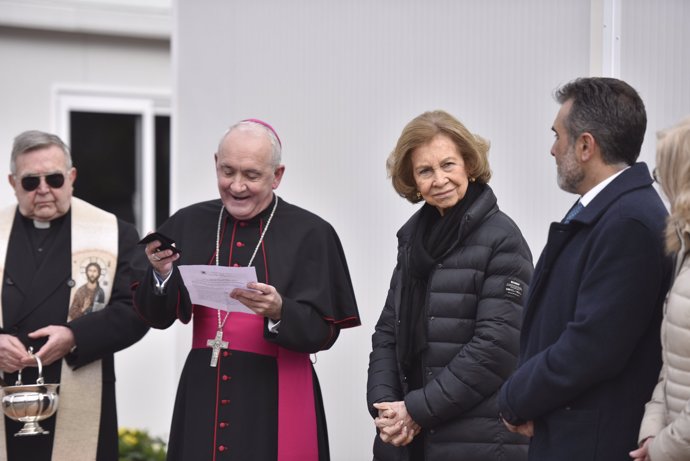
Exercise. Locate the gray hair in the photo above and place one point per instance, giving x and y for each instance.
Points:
(256, 127)
(32, 140)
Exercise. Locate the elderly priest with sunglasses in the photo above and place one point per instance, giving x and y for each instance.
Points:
(64, 299)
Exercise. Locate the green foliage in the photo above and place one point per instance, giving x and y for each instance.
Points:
(138, 445)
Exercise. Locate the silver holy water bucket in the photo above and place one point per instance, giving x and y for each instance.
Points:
(30, 403)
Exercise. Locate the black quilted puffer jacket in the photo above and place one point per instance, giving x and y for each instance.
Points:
(473, 316)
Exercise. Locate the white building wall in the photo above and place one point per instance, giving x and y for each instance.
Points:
(655, 59)
(32, 62)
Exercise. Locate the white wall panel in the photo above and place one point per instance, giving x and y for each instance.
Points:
(655, 59)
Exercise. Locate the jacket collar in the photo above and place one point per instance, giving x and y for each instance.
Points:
(484, 206)
(635, 177)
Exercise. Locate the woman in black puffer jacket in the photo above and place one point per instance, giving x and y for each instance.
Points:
(448, 336)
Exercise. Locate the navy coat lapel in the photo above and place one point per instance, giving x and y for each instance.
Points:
(559, 235)
(635, 177)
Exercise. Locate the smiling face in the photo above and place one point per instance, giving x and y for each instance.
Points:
(45, 203)
(439, 173)
(246, 175)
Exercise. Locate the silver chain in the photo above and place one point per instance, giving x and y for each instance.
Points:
(221, 324)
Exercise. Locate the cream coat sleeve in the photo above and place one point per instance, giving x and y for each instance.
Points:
(673, 442)
(655, 415)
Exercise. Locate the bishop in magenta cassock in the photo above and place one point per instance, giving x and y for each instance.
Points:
(248, 389)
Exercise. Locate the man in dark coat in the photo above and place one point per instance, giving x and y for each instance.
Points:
(248, 390)
(590, 350)
(47, 243)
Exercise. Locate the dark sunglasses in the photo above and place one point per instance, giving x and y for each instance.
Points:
(31, 183)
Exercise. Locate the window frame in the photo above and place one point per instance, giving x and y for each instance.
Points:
(146, 104)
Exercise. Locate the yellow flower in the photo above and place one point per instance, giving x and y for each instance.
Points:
(130, 439)
(135, 444)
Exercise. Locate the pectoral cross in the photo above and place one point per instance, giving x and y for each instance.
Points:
(217, 344)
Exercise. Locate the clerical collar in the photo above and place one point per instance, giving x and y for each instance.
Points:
(31, 224)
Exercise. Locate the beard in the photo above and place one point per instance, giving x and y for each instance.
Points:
(570, 174)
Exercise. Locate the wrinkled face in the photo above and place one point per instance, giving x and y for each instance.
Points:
(44, 203)
(246, 176)
(439, 173)
(570, 172)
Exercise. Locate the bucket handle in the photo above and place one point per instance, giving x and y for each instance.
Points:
(39, 380)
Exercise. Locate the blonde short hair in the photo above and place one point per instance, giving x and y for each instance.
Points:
(673, 170)
(422, 129)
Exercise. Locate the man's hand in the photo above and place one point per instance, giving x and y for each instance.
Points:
(13, 354)
(263, 299)
(395, 425)
(161, 261)
(60, 341)
(526, 429)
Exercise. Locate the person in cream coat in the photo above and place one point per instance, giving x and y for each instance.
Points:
(665, 429)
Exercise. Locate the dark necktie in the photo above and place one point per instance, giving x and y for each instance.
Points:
(573, 212)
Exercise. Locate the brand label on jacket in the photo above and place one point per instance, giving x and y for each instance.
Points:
(514, 290)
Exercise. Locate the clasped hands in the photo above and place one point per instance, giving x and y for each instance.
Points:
(14, 356)
(395, 424)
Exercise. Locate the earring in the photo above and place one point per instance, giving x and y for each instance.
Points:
(419, 195)
(471, 179)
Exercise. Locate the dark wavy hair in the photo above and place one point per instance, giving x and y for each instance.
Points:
(611, 111)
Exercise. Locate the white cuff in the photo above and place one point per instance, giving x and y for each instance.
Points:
(160, 282)
(273, 326)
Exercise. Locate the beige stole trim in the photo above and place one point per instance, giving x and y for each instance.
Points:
(94, 239)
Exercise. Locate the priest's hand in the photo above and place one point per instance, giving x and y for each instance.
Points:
(12, 354)
(395, 424)
(60, 342)
(161, 261)
(263, 299)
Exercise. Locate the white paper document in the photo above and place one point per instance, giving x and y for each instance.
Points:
(210, 286)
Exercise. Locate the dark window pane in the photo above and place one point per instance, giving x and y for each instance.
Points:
(162, 169)
(104, 150)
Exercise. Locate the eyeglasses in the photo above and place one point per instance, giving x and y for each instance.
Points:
(54, 180)
(655, 175)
